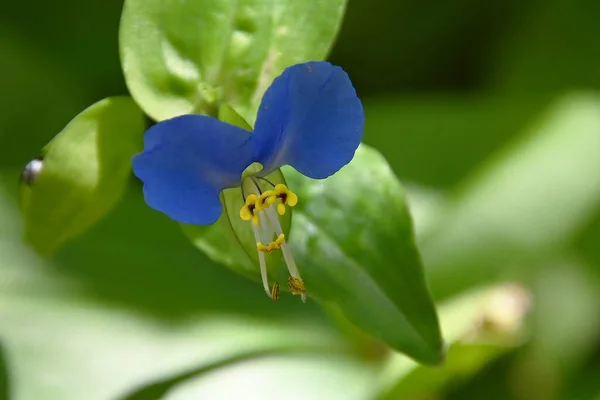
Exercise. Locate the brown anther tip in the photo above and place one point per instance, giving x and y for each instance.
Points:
(296, 286)
(275, 292)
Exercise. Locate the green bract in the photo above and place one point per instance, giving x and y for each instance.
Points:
(231, 240)
(187, 56)
(86, 168)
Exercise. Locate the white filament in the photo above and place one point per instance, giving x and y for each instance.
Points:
(262, 262)
(287, 254)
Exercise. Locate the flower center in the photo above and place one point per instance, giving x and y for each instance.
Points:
(267, 230)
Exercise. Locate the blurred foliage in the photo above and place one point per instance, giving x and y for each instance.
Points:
(465, 99)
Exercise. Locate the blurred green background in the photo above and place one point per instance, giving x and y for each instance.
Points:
(488, 112)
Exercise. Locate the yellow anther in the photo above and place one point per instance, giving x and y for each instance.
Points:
(276, 245)
(249, 210)
(275, 291)
(267, 198)
(280, 208)
(287, 197)
(296, 285)
(261, 247)
(279, 240)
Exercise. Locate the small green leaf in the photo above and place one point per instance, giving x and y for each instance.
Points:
(85, 170)
(353, 239)
(186, 56)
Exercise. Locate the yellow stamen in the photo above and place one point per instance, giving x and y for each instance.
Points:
(267, 198)
(296, 285)
(249, 210)
(281, 208)
(288, 198)
(264, 229)
(276, 245)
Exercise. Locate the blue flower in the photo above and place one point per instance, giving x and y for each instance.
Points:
(310, 118)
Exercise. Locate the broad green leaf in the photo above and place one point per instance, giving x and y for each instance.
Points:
(85, 170)
(187, 56)
(353, 239)
(524, 205)
(480, 326)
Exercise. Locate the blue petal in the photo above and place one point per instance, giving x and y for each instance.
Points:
(310, 118)
(187, 161)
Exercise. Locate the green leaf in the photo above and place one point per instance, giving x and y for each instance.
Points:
(524, 205)
(187, 56)
(353, 239)
(85, 171)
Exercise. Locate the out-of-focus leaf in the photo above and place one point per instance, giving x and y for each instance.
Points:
(182, 57)
(424, 204)
(293, 378)
(565, 330)
(158, 389)
(557, 33)
(85, 170)
(353, 240)
(524, 205)
(216, 240)
(4, 375)
(480, 326)
(63, 345)
(571, 291)
(81, 352)
(31, 88)
(436, 140)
